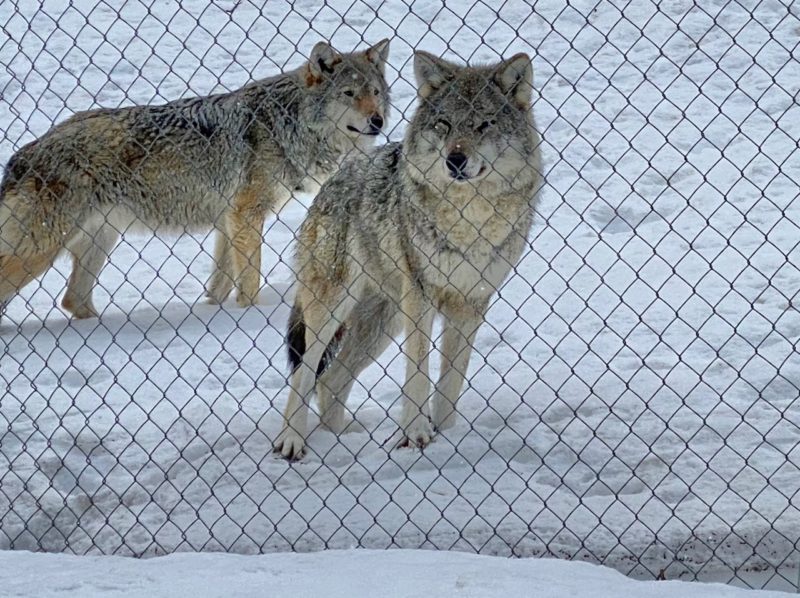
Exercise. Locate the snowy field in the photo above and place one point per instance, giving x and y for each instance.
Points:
(633, 399)
(334, 574)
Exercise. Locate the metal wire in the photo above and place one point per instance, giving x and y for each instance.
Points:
(633, 396)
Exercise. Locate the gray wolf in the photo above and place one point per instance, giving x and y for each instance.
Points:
(432, 225)
(221, 161)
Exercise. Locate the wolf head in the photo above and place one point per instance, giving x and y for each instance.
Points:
(350, 90)
(473, 125)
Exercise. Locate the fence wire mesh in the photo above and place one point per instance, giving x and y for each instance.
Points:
(632, 397)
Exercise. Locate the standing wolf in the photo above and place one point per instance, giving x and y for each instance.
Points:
(434, 224)
(221, 161)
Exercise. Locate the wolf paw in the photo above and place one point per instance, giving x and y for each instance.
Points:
(79, 310)
(337, 420)
(216, 296)
(290, 445)
(246, 300)
(219, 287)
(418, 435)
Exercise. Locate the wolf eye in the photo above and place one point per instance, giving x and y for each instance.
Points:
(442, 126)
(481, 128)
(349, 93)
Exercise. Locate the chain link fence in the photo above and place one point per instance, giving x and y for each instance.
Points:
(632, 399)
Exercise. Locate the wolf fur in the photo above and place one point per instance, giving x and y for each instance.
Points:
(222, 161)
(429, 226)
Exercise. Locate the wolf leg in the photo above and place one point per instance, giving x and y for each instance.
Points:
(418, 315)
(245, 230)
(90, 249)
(369, 331)
(461, 327)
(314, 326)
(221, 282)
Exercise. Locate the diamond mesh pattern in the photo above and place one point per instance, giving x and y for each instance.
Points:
(633, 398)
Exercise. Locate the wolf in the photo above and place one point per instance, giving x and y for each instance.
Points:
(219, 162)
(429, 226)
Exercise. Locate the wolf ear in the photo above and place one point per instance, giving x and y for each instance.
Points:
(431, 72)
(515, 78)
(379, 53)
(322, 60)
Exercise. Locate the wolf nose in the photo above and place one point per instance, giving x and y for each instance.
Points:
(456, 164)
(375, 123)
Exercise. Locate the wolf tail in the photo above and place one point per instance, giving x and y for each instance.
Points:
(296, 337)
(23, 256)
(296, 342)
(16, 272)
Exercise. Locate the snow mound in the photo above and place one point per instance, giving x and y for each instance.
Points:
(333, 574)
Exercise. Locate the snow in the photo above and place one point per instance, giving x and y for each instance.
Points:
(334, 574)
(633, 399)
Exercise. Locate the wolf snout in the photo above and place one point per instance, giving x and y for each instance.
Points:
(457, 165)
(373, 127)
(375, 124)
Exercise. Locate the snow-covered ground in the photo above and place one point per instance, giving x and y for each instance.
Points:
(633, 399)
(334, 574)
